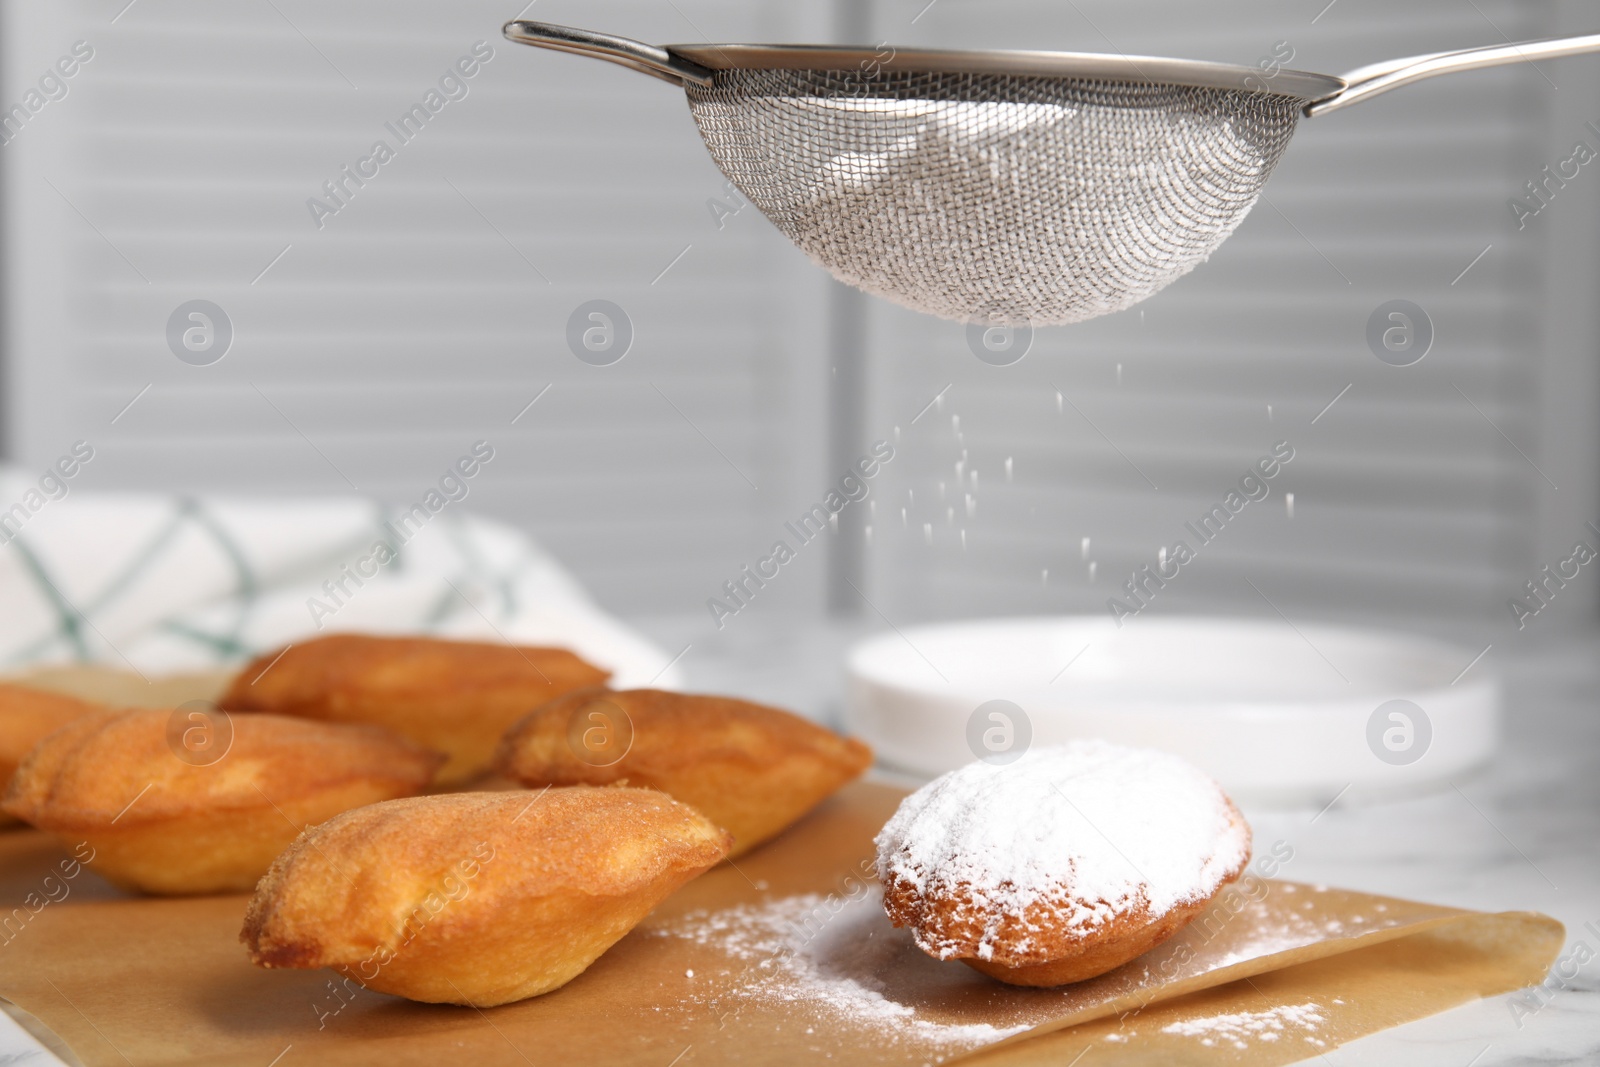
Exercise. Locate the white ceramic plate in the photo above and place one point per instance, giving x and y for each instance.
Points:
(1277, 714)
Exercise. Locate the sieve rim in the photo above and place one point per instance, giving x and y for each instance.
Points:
(1149, 70)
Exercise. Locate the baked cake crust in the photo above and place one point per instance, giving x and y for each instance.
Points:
(476, 898)
(164, 825)
(750, 768)
(457, 697)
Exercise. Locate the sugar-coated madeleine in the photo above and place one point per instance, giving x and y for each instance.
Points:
(751, 769)
(1060, 866)
(456, 697)
(476, 898)
(163, 815)
(27, 716)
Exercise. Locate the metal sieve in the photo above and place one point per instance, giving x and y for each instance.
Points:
(1005, 187)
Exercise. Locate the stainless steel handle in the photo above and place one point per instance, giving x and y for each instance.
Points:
(1379, 78)
(635, 55)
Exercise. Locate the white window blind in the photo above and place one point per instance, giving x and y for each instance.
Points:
(424, 304)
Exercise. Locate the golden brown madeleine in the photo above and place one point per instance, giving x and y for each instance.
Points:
(476, 898)
(27, 716)
(457, 697)
(163, 821)
(749, 768)
(1061, 865)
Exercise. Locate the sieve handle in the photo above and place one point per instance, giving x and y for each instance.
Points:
(635, 55)
(1379, 78)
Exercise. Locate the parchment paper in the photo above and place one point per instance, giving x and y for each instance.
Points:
(143, 981)
(785, 958)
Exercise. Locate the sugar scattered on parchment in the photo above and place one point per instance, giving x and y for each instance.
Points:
(1240, 1028)
(1262, 929)
(1089, 831)
(825, 955)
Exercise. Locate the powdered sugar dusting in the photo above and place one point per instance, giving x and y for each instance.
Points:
(827, 956)
(1088, 830)
(830, 972)
(1240, 1028)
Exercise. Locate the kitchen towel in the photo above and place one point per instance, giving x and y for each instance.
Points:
(157, 583)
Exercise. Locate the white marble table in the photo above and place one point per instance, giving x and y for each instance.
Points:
(1523, 835)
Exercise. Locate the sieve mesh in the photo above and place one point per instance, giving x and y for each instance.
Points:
(992, 197)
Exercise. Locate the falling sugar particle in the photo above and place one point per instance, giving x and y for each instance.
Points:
(938, 402)
(1059, 409)
(974, 479)
(955, 423)
(927, 532)
(950, 516)
(903, 517)
(1269, 412)
(941, 490)
(961, 470)
(1044, 577)
(872, 509)
(897, 435)
(1288, 504)
(972, 505)
(1119, 374)
(833, 521)
(911, 497)
(1161, 558)
(1084, 548)
(963, 540)
(1094, 568)
(1008, 468)
(868, 532)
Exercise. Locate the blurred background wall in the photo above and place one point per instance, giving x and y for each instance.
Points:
(428, 307)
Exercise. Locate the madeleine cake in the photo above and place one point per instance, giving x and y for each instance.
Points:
(27, 716)
(456, 697)
(476, 898)
(1061, 866)
(751, 769)
(166, 815)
